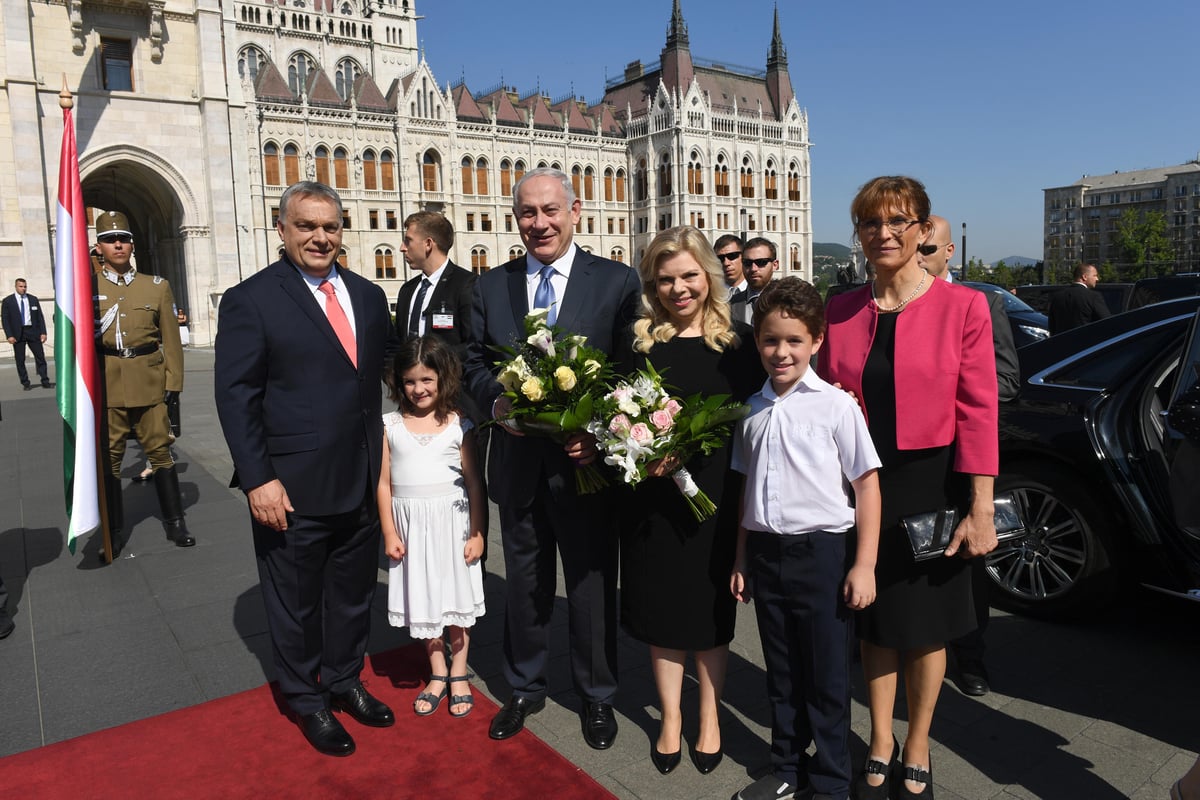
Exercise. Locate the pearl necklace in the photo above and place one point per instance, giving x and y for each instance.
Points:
(902, 303)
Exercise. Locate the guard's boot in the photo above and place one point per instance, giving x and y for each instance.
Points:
(116, 513)
(166, 483)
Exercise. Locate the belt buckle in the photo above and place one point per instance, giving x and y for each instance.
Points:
(127, 352)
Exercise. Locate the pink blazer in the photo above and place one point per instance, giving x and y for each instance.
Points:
(945, 369)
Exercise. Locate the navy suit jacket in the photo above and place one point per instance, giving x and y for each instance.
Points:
(291, 403)
(12, 317)
(601, 303)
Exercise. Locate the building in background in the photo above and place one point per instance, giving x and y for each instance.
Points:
(1080, 222)
(193, 117)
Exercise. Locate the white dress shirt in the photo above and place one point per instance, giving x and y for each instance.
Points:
(433, 279)
(798, 451)
(562, 271)
(339, 291)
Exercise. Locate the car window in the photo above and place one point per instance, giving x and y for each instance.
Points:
(1011, 301)
(1105, 367)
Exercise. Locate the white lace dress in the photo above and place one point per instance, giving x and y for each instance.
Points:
(432, 586)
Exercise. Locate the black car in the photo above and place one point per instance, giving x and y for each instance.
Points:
(1028, 324)
(1116, 295)
(1155, 290)
(1109, 489)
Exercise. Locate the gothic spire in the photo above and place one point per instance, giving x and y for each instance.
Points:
(677, 35)
(777, 55)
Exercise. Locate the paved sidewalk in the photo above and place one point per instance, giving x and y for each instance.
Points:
(1105, 709)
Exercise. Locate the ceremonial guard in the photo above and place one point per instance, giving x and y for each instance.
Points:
(138, 335)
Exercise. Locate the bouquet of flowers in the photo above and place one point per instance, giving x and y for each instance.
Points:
(639, 422)
(553, 379)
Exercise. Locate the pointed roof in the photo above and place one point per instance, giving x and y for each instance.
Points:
(367, 95)
(536, 105)
(271, 85)
(321, 92)
(570, 111)
(606, 120)
(465, 107)
(677, 34)
(502, 106)
(777, 55)
(394, 93)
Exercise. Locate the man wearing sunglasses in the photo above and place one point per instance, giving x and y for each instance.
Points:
(24, 326)
(137, 332)
(759, 260)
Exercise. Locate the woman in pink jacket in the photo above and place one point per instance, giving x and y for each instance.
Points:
(918, 354)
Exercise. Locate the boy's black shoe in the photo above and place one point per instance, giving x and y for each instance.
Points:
(768, 787)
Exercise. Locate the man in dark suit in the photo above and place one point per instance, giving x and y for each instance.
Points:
(438, 301)
(1077, 304)
(532, 479)
(760, 259)
(25, 326)
(299, 355)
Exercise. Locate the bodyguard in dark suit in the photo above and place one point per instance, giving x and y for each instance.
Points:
(532, 479)
(25, 326)
(438, 301)
(299, 356)
(1077, 304)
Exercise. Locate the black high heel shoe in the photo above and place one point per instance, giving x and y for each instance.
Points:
(866, 791)
(664, 762)
(706, 762)
(916, 774)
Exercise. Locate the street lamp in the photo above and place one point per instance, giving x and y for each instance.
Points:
(962, 275)
(744, 215)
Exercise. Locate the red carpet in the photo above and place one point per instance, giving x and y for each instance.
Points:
(242, 747)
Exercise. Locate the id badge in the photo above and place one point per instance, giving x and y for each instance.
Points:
(443, 321)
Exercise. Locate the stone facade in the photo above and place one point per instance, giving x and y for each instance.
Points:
(192, 116)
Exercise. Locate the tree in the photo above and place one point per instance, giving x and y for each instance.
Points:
(1142, 243)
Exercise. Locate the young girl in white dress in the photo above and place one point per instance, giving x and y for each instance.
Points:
(431, 509)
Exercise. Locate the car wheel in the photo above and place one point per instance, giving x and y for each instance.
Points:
(1063, 565)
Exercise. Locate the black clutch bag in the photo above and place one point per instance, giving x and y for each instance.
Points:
(930, 533)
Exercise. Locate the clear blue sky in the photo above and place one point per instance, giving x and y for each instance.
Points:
(988, 103)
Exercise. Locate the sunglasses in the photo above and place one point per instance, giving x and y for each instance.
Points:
(929, 249)
(730, 256)
(123, 238)
(757, 262)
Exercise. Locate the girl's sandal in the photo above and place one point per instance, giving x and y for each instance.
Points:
(434, 700)
(461, 699)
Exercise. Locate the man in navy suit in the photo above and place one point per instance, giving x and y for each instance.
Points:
(24, 326)
(532, 479)
(299, 355)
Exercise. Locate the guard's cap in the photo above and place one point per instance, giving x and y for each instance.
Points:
(112, 222)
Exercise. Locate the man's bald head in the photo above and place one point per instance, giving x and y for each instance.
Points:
(935, 254)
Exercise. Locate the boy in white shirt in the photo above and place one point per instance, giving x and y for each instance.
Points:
(800, 444)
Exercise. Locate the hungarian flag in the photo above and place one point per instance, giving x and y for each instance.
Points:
(74, 346)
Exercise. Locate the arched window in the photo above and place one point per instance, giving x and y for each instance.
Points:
(664, 175)
(793, 186)
(506, 178)
(468, 175)
(249, 62)
(577, 180)
(589, 184)
(617, 254)
(387, 170)
(321, 155)
(770, 182)
(515, 253)
(347, 73)
(608, 185)
(431, 171)
(343, 258)
(271, 164)
(518, 171)
(481, 177)
(291, 164)
(479, 260)
(370, 179)
(794, 251)
(695, 174)
(620, 186)
(747, 177)
(299, 66)
(385, 265)
(341, 168)
(721, 177)
(640, 183)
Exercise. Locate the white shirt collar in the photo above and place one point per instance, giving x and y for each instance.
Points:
(562, 264)
(436, 275)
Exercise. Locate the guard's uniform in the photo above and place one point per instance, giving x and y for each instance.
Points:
(138, 335)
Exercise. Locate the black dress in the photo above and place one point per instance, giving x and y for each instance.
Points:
(674, 570)
(917, 604)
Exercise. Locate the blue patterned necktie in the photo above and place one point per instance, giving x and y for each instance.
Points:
(544, 296)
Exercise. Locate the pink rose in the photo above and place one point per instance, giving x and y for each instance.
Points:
(672, 407)
(641, 433)
(619, 425)
(662, 419)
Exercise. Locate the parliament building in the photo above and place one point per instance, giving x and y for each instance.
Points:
(193, 116)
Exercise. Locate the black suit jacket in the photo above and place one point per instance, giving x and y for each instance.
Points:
(452, 295)
(12, 317)
(1008, 369)
(601, 303)
(1074, 306)
(291, 403)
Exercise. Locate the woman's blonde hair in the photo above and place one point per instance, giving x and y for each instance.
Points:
(655, 323)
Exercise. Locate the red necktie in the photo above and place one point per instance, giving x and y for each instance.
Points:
(341, 325)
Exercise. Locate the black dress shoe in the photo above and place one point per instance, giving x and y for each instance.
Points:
(366, 709)
(47, 385)
(706, 762)
(973, 679)
(28, 387)
(664, 762)
(326, 734)
(7, 626)
(599, 725)
(509, 721)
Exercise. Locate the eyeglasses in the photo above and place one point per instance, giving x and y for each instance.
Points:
(730, 256)
(897, 225)
(929, 249)
(757, 262)
(110, 238)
